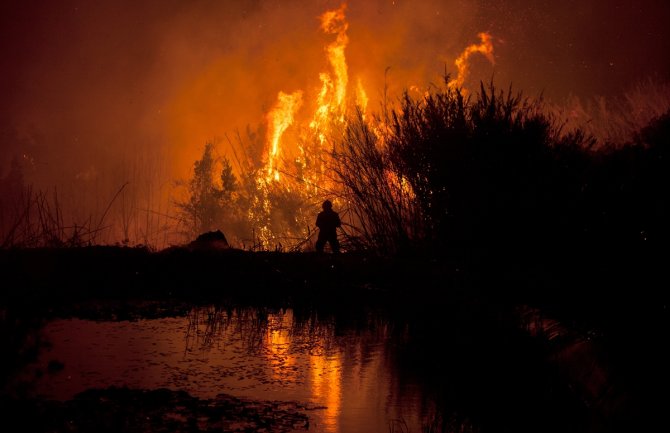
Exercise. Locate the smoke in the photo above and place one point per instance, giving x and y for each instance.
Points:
(97, 94)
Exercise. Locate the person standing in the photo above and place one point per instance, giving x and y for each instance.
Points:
(328, 221)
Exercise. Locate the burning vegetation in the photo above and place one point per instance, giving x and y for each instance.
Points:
(276, 202)
(436, 168)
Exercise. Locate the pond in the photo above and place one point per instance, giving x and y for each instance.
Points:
(344, 377)
(459, 368)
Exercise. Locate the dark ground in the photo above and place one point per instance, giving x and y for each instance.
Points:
(617, 294)
(599, 285)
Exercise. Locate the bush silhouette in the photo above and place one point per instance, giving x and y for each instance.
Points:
(494, 171)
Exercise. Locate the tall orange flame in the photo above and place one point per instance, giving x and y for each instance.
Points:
(331, 101)
(279, 119)
(334, 22)
(361, 96)
(307, 175)
(485, 48)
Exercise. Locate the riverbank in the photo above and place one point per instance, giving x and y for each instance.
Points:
(612, 299)
(586, 282)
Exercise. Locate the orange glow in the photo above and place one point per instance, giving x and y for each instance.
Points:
(326, 378)
(278, 343)
(333, 22)
(280, 118)
(331, 101)
(361, 97)
(298, 165)
(104, 102)
(331, 106)
(462, 65)
(401, 188)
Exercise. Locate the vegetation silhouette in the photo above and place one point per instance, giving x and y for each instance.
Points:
(207, 203)
(490, 178)
(442, 172)
(484, 173)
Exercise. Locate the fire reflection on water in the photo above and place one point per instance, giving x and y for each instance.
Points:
(326, 376)
(246, 353)
(325, 369)
(278, 343)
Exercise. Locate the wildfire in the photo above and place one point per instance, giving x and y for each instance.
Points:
(463, 66)
(331, 100)
(280, 118)
(361, 96)
(331, 105)
(334, 22)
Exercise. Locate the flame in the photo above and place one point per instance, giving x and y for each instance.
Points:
(331, 105)
(334, 22)
(279, 119)
(361, 97)
(331, 101)
(463, 67)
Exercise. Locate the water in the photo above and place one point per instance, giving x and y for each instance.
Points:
(346, 376)
(456, 367)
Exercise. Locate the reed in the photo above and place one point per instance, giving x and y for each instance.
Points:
(446, 172)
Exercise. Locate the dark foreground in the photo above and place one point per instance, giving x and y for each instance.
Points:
(611, 298)
(601, 285)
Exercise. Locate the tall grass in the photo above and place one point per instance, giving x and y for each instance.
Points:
(40, 224)
(447, 172)
(383, 210)
(496, 170)
(614, 121)
(430, 174)
(126, 206)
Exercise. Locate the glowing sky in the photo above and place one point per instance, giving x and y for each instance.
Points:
(87, 86)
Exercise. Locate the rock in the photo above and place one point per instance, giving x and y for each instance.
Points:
(214, 240)
(212, 236)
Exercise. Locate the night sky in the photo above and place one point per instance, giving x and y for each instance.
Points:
(88, 86)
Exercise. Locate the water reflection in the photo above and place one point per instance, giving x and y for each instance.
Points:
(308, 355)
(344, 376)
(277, 342)
(450, 368)
(326, 378)
(324, 367)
